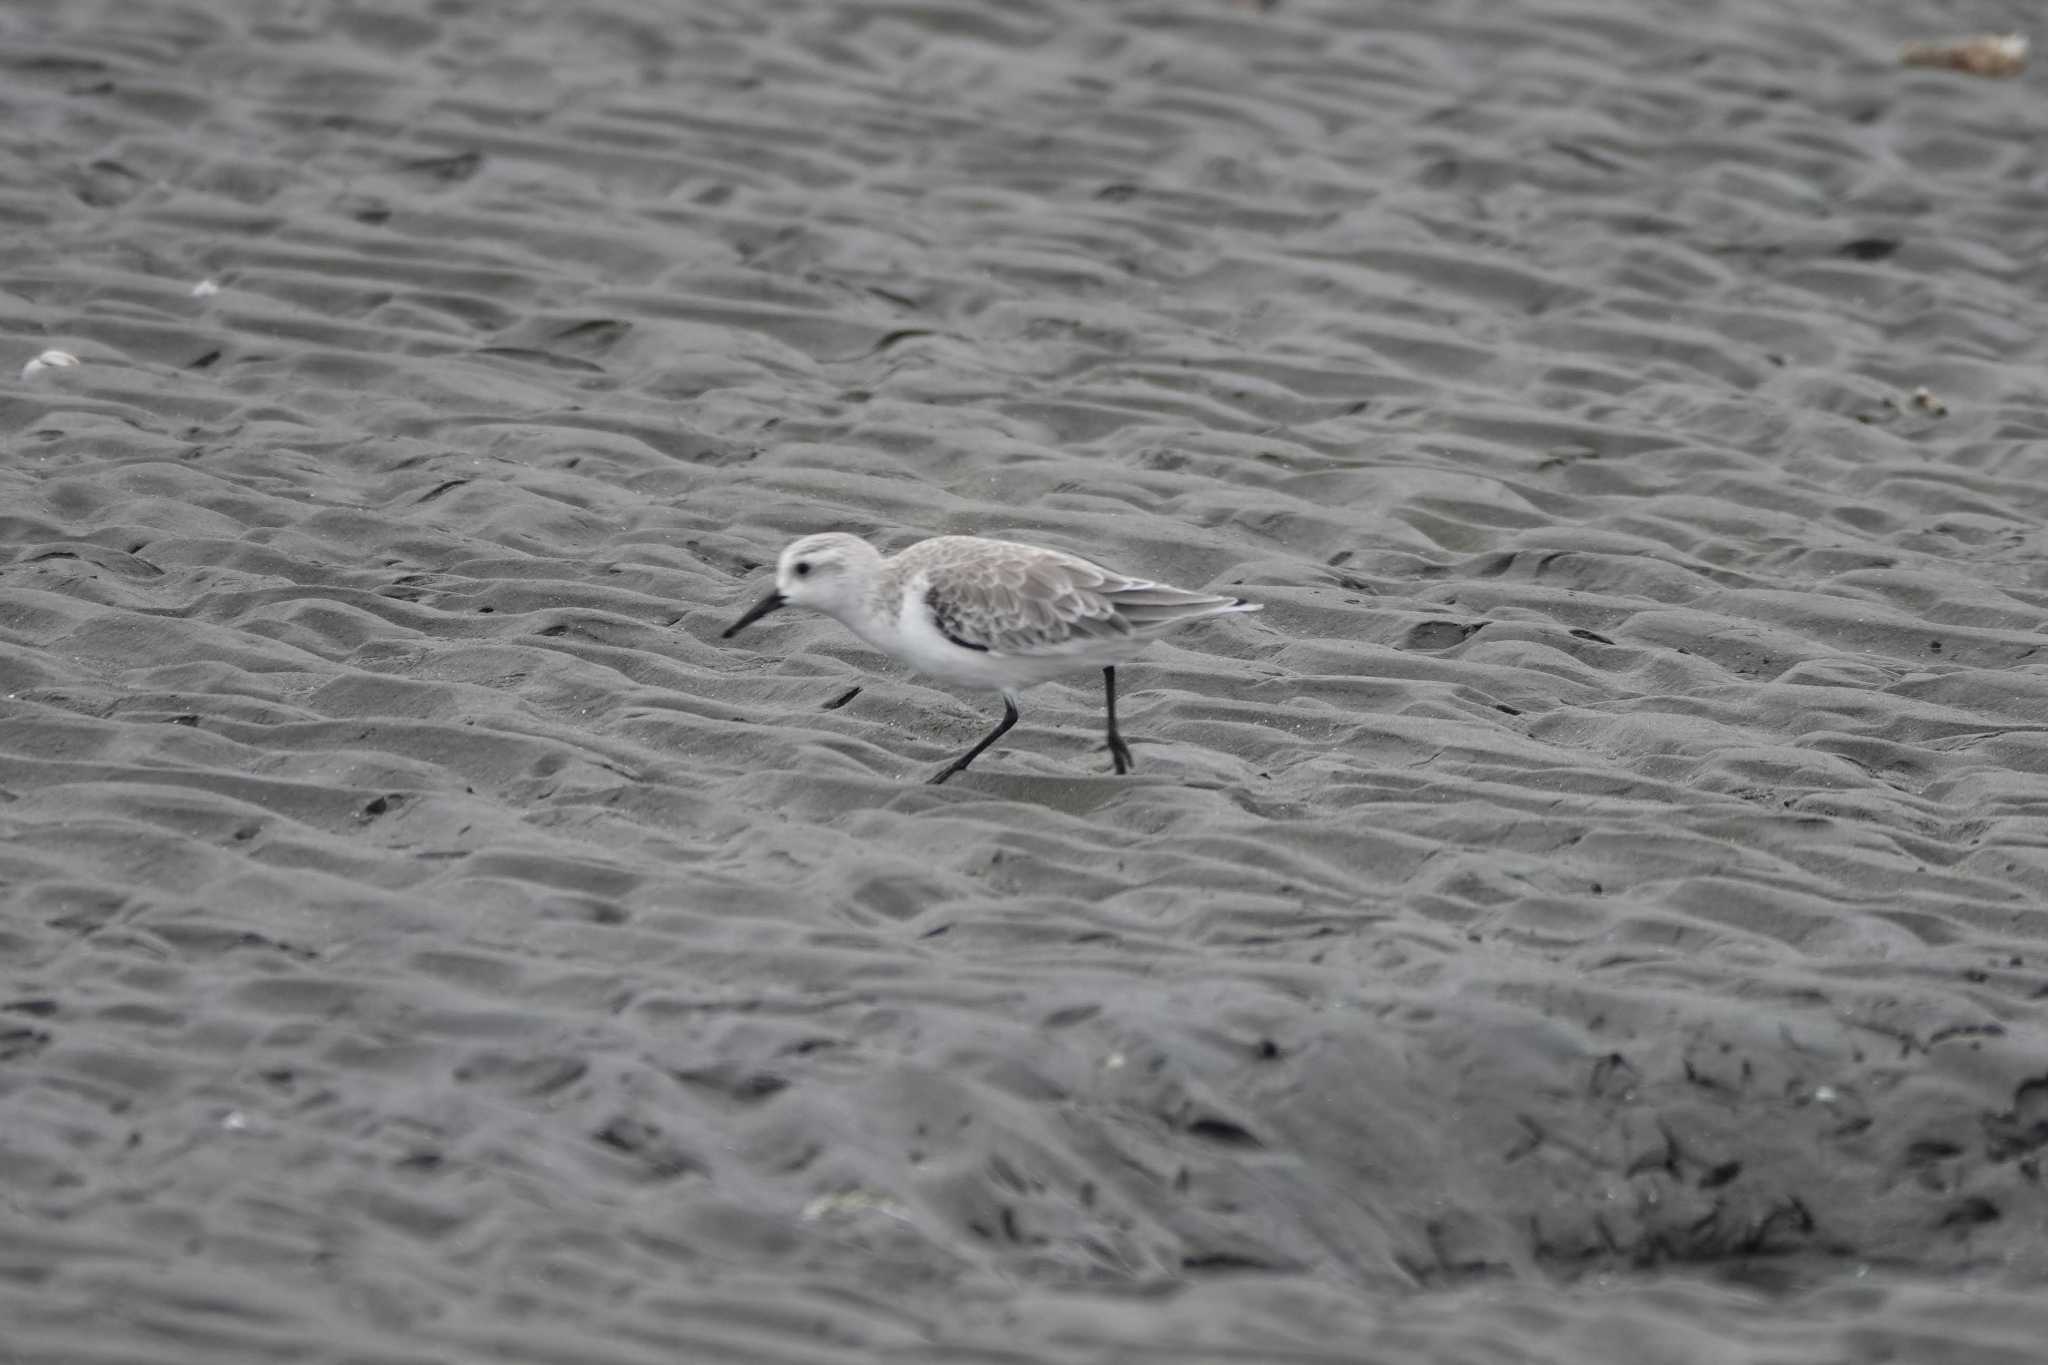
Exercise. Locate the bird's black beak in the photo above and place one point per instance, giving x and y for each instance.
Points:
(760, 609)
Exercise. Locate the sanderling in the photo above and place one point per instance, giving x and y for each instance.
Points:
(986, 613)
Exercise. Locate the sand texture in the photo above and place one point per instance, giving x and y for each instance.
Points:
(1594, 915)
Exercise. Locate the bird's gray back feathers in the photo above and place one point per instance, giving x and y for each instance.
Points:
(1021, 599)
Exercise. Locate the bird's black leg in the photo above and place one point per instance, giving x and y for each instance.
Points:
(1002, 728)
(1119, 752)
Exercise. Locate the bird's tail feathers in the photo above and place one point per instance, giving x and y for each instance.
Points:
(1154, 606)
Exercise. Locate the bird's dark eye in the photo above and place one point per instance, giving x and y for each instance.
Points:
(803, 568)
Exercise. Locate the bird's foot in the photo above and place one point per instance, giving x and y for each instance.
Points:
(1120, 754)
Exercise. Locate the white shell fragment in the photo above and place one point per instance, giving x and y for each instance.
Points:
(1926, 400)
(49, 360)
(205, 289)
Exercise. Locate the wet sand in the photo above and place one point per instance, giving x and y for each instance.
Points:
(1594, 913)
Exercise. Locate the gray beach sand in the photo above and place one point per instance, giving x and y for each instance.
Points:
(1593, 914)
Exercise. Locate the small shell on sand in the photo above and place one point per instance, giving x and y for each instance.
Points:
(2000, 54)
(49, 360)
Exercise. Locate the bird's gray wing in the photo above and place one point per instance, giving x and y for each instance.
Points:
(1038, 601)
(1026, 603)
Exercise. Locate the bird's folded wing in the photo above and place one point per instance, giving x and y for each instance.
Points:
(1044, 604)
(1027, 605)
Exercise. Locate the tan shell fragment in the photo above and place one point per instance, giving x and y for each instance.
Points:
(1998, 54)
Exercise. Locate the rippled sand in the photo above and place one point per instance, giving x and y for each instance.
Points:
(1593, 914)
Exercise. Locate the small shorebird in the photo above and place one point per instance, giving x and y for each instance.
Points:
(986, 613)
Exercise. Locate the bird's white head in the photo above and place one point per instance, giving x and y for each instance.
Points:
(831, 572)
